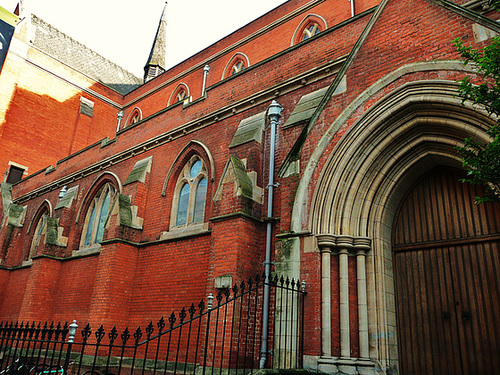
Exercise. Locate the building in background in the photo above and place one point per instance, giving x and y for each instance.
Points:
(56, 97)
(401, 266)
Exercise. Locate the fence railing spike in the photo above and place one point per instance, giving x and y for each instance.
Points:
(125, 336)
(171, 320)
(161, 324)
(112, 335)
(192, 311)
(149, 329)
(221, 339)
(137, 335)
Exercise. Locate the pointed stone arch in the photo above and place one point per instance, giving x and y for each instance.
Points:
(175, 97)
(193, 147)
(238, 57)
(102, 179)
(319, 24)
(44, 206)
(397, 140)
(134, 117)
(37, 228)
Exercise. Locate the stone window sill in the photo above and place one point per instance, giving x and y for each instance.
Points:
(181, 232)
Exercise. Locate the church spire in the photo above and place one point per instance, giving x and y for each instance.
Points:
(156, 61)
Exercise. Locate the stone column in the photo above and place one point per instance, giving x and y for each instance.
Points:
(362, 246)
(326, 243)
(344, 245)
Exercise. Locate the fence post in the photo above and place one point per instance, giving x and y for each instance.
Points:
(210, 303)
(72, 332)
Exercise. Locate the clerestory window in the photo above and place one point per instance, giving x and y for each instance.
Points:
(311, 30)
(237, 67)
(97, 215)
(135, 118)
(190, 194)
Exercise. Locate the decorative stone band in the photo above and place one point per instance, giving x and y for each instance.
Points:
(343, 245)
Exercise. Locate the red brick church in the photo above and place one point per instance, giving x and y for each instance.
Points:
(140, 196)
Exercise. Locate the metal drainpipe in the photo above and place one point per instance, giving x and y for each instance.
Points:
(119, 117)
(352, 8)
(274, 115)
(206, 69)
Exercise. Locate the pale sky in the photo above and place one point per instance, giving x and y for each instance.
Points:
(123, 30)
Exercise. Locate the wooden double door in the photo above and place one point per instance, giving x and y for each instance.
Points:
(447, 275)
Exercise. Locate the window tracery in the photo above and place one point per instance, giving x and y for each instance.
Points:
(310, 31)
(97, 215)
(39, 232)
(238, 66)
(190, 194)
(310, 26)
(235, 65)
(180, 94)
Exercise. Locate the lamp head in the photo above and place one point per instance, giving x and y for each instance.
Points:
(274, 111)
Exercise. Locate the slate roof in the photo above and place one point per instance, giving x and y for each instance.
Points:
(62, 47)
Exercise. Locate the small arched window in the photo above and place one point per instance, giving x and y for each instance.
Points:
(134, 117)
(97, 215)
(235, 65)
(238, 66)
(39, 232)
(310, 26)
(190, 194)
(311, 30)
(180, 94)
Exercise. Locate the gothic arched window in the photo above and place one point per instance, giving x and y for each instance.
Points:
(180, 94)
(97, 215)
(238, 66)
(310, 26)
(190, 194)
(311, 30)
(136, 117)
(235, 65)
(39, 232)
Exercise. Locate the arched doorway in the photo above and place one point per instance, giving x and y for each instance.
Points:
(446, 270)
(399, 139)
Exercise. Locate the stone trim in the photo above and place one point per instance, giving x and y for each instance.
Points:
(305, 108)
(252, 101)
(70, 195)
(249, 129)
(185, 232)
(139, 171)
(245, 183)
(332, 89)
(235, 215)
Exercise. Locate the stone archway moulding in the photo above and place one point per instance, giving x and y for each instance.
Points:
(405, 133)
(302, 195)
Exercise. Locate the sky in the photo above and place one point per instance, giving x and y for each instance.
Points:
(123, 30)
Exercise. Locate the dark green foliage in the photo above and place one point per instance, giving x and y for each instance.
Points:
(483, 160)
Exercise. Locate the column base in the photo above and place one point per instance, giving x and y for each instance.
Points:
(347, 366)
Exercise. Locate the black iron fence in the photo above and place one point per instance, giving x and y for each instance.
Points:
(220, 336)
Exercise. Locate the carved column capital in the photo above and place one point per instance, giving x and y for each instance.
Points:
(362, 245)
(326, 242)
(344, 244)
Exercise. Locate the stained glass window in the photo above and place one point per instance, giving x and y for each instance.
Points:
(97, 215)
(190, 200)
